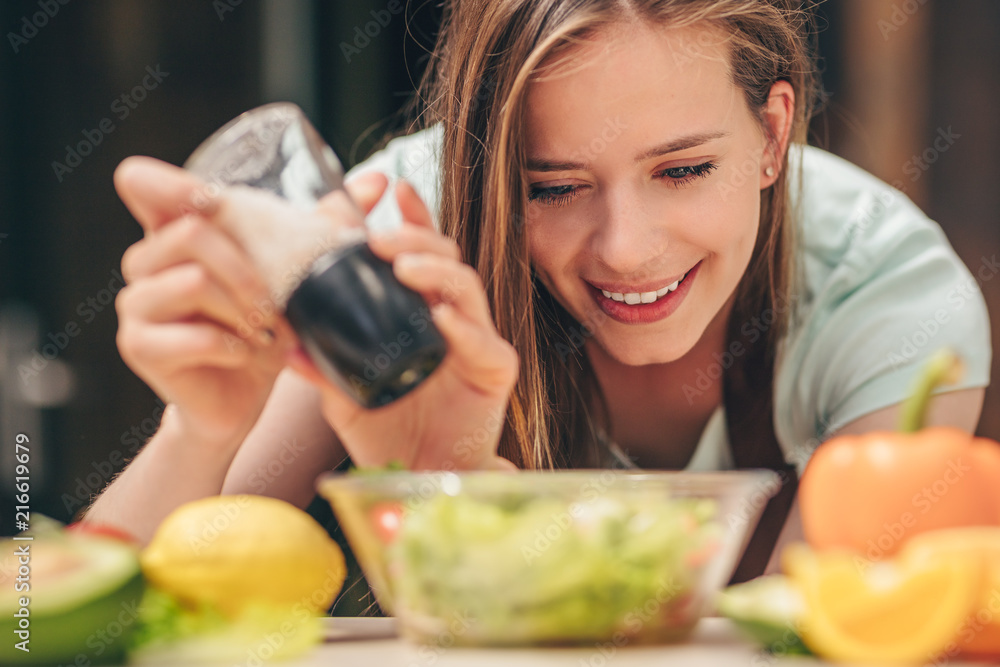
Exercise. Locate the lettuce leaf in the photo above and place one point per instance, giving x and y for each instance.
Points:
(171, 631)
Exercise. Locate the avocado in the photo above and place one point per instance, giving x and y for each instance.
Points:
(769, 609)
(67, 598)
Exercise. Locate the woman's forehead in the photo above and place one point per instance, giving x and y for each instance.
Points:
(638, 76)
(635, 42)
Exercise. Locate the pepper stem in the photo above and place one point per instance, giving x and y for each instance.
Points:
(944, 368)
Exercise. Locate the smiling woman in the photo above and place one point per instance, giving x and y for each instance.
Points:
(631, 252)
(690, 122)
(647, 162)
(643, 229)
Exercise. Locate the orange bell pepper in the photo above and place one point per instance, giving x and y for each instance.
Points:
(870, 493)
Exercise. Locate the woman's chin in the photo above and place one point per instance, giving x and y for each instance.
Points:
(642, 353)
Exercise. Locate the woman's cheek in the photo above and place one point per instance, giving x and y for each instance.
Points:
(713, 223)
(554, 237)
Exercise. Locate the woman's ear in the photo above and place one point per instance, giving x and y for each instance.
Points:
(779, 112)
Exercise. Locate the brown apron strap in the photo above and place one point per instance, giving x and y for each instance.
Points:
(747, 396)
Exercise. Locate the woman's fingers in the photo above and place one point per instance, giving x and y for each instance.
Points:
(300, 362)
(180, 293)
(191, 239)
(365, 191)
(441, 279)
(169, 347)
(461, 312)
(412, 238)
(157, 192)
(479, 355)
(338, 407)
(412, 206)
(172, 347)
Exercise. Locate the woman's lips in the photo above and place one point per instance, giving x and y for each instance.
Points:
(644, 313)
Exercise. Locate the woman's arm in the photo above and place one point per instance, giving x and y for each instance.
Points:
(290, 445)
(172, 468)
(191, 290)
(954, 408)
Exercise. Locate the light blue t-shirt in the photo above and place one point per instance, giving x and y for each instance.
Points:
(880, 290)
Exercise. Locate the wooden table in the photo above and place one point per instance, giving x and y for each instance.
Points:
(372, 642)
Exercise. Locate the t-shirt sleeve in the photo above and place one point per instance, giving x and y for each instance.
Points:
(873, 317)
(414, 157)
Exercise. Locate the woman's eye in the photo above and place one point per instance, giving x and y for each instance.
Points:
(560, 195)
(557, 195)
(678, 176)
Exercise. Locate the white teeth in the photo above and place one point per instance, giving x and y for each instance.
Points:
(668, 288)
(633, 298)
(616, 296)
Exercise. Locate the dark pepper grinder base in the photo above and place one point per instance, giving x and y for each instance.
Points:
(363, 329)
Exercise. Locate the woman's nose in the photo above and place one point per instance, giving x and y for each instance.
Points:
(630, 235)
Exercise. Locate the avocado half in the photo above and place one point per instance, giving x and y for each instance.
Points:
(82, 598)
(768, 609)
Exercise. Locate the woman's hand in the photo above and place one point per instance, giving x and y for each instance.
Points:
(454, 418)
(196, 320)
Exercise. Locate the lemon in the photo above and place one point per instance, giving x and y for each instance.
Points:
(245, 551)
(900, 611)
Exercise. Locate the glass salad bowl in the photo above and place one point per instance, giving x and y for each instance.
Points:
(547, 558)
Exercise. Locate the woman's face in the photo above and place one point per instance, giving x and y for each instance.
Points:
(644, 168)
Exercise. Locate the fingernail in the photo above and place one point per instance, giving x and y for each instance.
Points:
(368, 184)
(265, 337)
(383, 234)
(409, 260)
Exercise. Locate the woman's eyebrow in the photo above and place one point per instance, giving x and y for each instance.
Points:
(539, 164)
(672, 146)
(680, 144)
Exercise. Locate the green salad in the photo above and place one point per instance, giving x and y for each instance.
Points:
(518, 568)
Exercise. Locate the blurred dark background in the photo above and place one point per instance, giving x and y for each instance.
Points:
(87, 83)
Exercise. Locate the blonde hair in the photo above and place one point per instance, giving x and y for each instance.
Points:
(475, 86)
